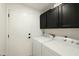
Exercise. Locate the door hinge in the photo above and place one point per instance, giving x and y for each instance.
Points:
(8, 15)
(8, 36)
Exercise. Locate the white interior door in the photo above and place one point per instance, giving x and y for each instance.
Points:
(18, 44)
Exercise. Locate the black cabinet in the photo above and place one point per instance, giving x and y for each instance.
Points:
(70, 15)
(43, 20)
(63, 16)
(52, 18)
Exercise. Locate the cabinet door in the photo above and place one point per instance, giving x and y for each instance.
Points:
(43, 20)
(48, 52)
(52, 18)
(36, 48)
(70, 15)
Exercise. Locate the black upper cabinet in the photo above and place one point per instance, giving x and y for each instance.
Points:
(70, 15)
(43, 20)
(63, 16)
(52, 18)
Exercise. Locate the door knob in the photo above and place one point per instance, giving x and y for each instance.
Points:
(29, 37)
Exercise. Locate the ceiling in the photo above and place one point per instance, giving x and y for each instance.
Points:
(40, 6)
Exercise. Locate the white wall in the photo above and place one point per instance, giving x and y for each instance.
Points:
(50, 6)
(2, 28)
(70, 32)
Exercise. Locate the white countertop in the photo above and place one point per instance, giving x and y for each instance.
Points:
(59, 46)
(62, 48)
(42, 39)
